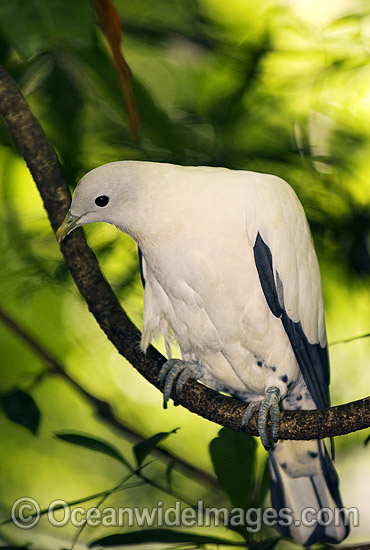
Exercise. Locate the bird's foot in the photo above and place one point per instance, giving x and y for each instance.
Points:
(270, 404)
(177, 372)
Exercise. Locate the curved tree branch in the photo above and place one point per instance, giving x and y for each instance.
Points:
(31, 142)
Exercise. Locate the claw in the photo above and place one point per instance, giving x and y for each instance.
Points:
(270, 403)
(178, 372)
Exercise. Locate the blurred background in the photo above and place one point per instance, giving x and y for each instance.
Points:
(272, 86)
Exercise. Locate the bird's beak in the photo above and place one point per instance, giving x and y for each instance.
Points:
(69, 223)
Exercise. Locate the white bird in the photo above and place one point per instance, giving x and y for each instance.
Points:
(230, 270)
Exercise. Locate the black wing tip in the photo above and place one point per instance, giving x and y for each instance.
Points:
(263, 261)
(313, 360)
(140, 255)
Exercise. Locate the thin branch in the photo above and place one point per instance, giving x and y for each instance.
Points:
(226, 411)
(103, 409)
(350, 339)
(71, 503)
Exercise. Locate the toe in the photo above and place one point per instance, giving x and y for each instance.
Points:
(262, 427)
(182, 379)
(178, 372)
(250, 410)
(165, 369)
(275, 420)
(191, 371)
(170, 380)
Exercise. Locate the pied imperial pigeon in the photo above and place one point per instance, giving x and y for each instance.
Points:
(231, 272)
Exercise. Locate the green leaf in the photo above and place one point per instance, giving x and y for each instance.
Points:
(367, 440)
(20, 408)
(12, 547)
(169, 470)
(267, 544)
(233, 456)
(264, 485)
(64, 119)
(93, 444)
(144, 448)
(45, 24)
(156, 123)
(147, 536)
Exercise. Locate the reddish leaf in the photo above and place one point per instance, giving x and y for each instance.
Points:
(110, 23)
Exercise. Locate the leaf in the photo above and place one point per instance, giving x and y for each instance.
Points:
(20, 408)
(147, 536)
(43, 25)
(93, 444)
(267, 544)
(169, 474)
(233, 456)
(12, 547)
(144, 448)
(367, 441)
(65, 118)
(264, 485)
(110, 23)
(158, 126)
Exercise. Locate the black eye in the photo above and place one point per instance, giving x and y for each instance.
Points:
(102, 200)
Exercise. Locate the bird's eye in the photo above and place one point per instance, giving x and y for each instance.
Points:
(102, 200)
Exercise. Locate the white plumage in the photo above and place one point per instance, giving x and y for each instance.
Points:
(230, 269)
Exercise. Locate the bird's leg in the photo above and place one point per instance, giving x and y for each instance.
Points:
(178, 372)
(270, 404)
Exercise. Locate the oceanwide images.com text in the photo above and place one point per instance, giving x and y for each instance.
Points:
(26, 513)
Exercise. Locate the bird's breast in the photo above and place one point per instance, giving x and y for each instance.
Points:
(209, 294)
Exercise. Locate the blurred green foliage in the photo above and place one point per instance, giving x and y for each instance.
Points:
(271, 86)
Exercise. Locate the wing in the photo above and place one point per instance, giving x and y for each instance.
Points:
(155, 303)
(290, 278)
(142, 266)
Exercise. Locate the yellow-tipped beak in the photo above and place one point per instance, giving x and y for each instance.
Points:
(68, 224)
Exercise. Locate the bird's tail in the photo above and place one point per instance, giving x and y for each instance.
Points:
(305, 493)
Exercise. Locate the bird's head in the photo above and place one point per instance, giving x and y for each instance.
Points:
(106, 194)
